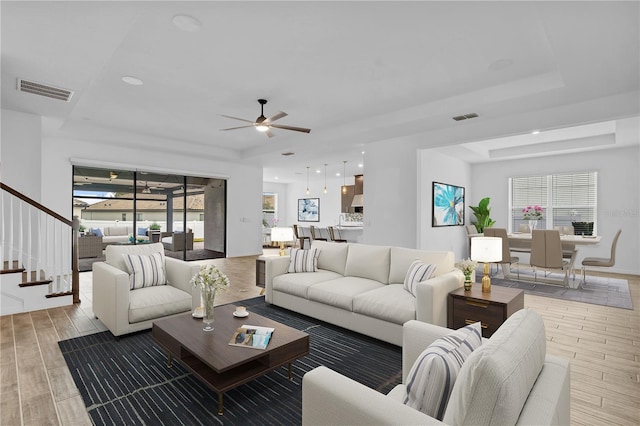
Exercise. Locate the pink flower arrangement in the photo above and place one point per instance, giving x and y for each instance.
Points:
(532, 212)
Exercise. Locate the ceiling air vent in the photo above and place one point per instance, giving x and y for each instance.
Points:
(44, 90)
(286, 154)
(465, 116)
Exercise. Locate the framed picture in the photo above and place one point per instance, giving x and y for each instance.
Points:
(308, 209)
(448, 205)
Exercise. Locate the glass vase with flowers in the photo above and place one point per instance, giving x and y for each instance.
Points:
(533, 214)
(467, 266)
(210, 280)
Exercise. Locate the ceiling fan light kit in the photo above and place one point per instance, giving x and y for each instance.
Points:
(264, 124)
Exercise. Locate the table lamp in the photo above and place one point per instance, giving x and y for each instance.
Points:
(486, 249)
(280, 235)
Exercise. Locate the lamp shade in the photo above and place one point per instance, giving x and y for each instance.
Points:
(281, 234)
(486, 249)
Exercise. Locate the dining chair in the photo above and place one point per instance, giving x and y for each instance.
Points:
(298, 234)
(507, 259)
(332, 235)
(313, 234)
(601, 261)
(546, 252)
(471, 231)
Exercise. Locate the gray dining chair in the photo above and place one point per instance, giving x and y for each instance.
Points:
(546, 252)
(601, 261)
(507, 259)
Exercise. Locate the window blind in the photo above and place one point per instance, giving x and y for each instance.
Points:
(565, 198)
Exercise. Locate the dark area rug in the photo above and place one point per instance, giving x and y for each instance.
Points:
(605, 291)
(127, 382)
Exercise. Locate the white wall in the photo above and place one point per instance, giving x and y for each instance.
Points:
(281, 209)
(434, 166)
(390, 188)
(330, 203)
(54, 188)
(244, 184)
(398, 196)
(20, 154)
(618, 196)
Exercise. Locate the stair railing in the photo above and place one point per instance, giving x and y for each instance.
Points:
(39, 240)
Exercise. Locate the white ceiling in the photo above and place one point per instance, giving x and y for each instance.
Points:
(353, 72)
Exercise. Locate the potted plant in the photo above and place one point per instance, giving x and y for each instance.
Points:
(154, 226)
(482, 212)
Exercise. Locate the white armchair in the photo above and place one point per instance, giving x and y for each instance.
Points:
(507, 380)
(125, 311)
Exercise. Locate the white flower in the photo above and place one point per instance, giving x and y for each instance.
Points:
(467, 266)
(210, 277)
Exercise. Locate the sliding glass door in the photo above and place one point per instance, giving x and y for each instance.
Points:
(187, 214)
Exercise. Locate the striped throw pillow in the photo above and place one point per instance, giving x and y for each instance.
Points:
(303, 260)
(418, 272)
(434, 373)
(145, 270)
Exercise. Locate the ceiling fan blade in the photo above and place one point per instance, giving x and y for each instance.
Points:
(236, 118)
(297, 129)
(275, 117)
(268, 133)
(234, 128)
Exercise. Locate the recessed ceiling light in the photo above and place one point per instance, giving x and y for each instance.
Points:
(338, 174)
(317, 171)
(360, 165)
(134, 81)
(187, 23)
(276, 178)
(535, 132)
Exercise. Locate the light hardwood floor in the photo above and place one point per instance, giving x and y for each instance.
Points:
(602, 344)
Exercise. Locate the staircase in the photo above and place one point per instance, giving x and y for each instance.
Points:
(36, 255)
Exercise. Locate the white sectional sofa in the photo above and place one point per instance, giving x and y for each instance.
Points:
(360, 287)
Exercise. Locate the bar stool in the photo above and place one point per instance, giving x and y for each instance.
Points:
(332, 235)
(313, 234)
(300, 237)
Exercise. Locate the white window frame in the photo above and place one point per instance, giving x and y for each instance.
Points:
(547, 203)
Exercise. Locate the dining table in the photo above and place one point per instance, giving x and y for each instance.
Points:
(520, 242)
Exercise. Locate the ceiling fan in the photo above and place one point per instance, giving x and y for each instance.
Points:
(147, 189)
(265, 124)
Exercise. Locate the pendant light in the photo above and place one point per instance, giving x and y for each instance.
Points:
(307, 180)
(325, 178)
(344, 177)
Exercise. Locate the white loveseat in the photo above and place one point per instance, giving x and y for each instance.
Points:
(360, 287)
(125, 311)
(508, 380)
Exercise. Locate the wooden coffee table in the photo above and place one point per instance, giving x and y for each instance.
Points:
(221, 366)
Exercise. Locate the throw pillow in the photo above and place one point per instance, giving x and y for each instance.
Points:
(303, 260)
(418, 272)
(142, 231)
(434, 373)
(145, 270)
(97, 232)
